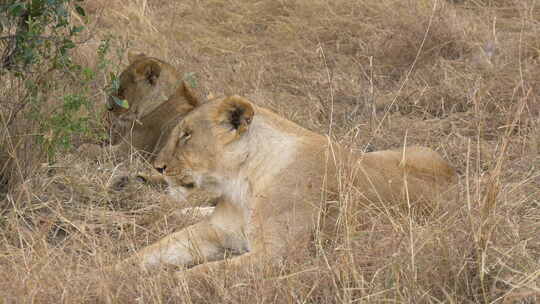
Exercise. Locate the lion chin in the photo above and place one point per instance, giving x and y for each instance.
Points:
(279, 183)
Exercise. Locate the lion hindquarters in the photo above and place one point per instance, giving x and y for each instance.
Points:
(426, 164)
(419, 162)
(415, 175)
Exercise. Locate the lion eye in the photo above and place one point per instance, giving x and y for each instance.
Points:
(186, 135)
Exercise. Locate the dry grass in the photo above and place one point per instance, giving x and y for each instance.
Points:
(458, 76)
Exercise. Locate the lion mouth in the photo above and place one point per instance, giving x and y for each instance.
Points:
(189, 185)
(179, 182)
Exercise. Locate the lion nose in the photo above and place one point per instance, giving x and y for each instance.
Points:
(160, 169)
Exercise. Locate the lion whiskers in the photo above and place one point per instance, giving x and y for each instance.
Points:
(178, 193)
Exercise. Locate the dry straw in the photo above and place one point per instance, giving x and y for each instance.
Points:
(458, 76)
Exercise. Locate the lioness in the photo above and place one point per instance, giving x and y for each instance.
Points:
(278, 181)
(155, 94)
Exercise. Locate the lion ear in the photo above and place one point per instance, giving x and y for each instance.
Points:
(150, 71)
(190, 96)
(134, 56)
(236, 112)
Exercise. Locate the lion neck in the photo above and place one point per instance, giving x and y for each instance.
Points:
(168, 108)
(164, 92)
(268, 147)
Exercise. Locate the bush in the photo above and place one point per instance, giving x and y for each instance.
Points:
(45, 102)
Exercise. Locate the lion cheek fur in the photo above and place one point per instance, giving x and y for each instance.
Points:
(178, 193)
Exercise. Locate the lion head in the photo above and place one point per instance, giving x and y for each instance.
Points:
(206, 146)
(148, 95)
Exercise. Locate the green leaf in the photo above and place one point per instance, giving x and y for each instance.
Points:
(17, 9)
(68, 44)
(80, 11)
(115, 83)
(121, 102)
(191, 79)
(77, 29)
(88, 73)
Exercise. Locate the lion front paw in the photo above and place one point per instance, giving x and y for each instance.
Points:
(123, 182)
(120, 183)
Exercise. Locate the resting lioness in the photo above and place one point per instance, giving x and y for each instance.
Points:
(279, 182)
(154, 94)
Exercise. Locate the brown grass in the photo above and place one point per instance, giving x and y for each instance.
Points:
(459, 76)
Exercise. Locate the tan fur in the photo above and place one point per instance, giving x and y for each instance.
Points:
(278, 181)
(156, 95)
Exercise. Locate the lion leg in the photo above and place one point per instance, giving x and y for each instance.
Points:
(244, 261)
(267, 248)
(196, 211)
(121, 182)
(151, 179)
(190, 246)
